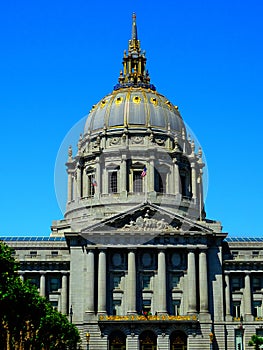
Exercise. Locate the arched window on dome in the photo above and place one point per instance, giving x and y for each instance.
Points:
(160, 180)
(112, 183)
(136, 183)
(185, 180)
(91, 182)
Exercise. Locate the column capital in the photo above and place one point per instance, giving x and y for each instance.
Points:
(90, 249)
(191, 249)
(130, 250)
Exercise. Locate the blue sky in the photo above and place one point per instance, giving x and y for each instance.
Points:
(58, 58)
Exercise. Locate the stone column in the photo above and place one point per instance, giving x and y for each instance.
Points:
(42, 289)
(131, 285)
(75, 190)
(102, 283)
(201, 200)
(79, 182)
(193, 177)
(64, 294)
(70, 197)
(247, 298)
(123, 175)
(191, 282)
(176, 178)
(162, 308)
(151, 175)
(203, 285)
(98, 177)
(85, 183)
(227, 296)
(90, 282)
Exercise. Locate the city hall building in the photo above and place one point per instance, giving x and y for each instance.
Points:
(135, 263)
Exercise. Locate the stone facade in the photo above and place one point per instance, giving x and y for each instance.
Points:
(135, 263)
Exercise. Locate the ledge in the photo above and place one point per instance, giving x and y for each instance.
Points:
(149, 318)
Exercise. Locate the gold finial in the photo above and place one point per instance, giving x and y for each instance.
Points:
(134, 27)
(134, 64)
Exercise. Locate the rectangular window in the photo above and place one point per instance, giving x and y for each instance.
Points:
(116, 281)
(259, 332)
(234, 253)
(33, 253)
(91, 185)
(176, 307)
(175, 279)
(113, 182)
(257, 308)
(146, 281)
(238, 339)
(236, 283)
(236, 309)
(34, 280)
(54, 253)
(256, 284)
(137, 181)
(116, 307)
(54, 284)
(54, 303)
(160, 182)
(146, 307)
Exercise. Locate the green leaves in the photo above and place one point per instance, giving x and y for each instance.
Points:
(256, 341)
(27, 318)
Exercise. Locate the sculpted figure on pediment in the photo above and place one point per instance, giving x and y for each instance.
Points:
(147, 224)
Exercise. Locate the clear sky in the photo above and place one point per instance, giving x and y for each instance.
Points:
(58, 58)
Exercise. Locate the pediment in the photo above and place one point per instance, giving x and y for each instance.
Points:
(146, 219)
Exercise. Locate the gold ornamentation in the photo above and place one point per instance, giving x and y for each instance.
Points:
(154, 101)
(102, 104)
(168, 104)
(136, 99)
(148, 317)
(118, 100)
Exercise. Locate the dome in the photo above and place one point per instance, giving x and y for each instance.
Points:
(134, 108)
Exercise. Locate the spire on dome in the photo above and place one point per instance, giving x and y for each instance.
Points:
(134, 72)
(134, 27)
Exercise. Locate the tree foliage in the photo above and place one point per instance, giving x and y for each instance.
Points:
(28, 321)
(256, 341)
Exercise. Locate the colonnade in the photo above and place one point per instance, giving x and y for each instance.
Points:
(63, 307)
(78, 181)
(247, 296)
(131, 289)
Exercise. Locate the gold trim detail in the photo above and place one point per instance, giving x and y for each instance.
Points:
(136, 99)
(103, 103)
(118, 100)
(149, 318)
(154, 101)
